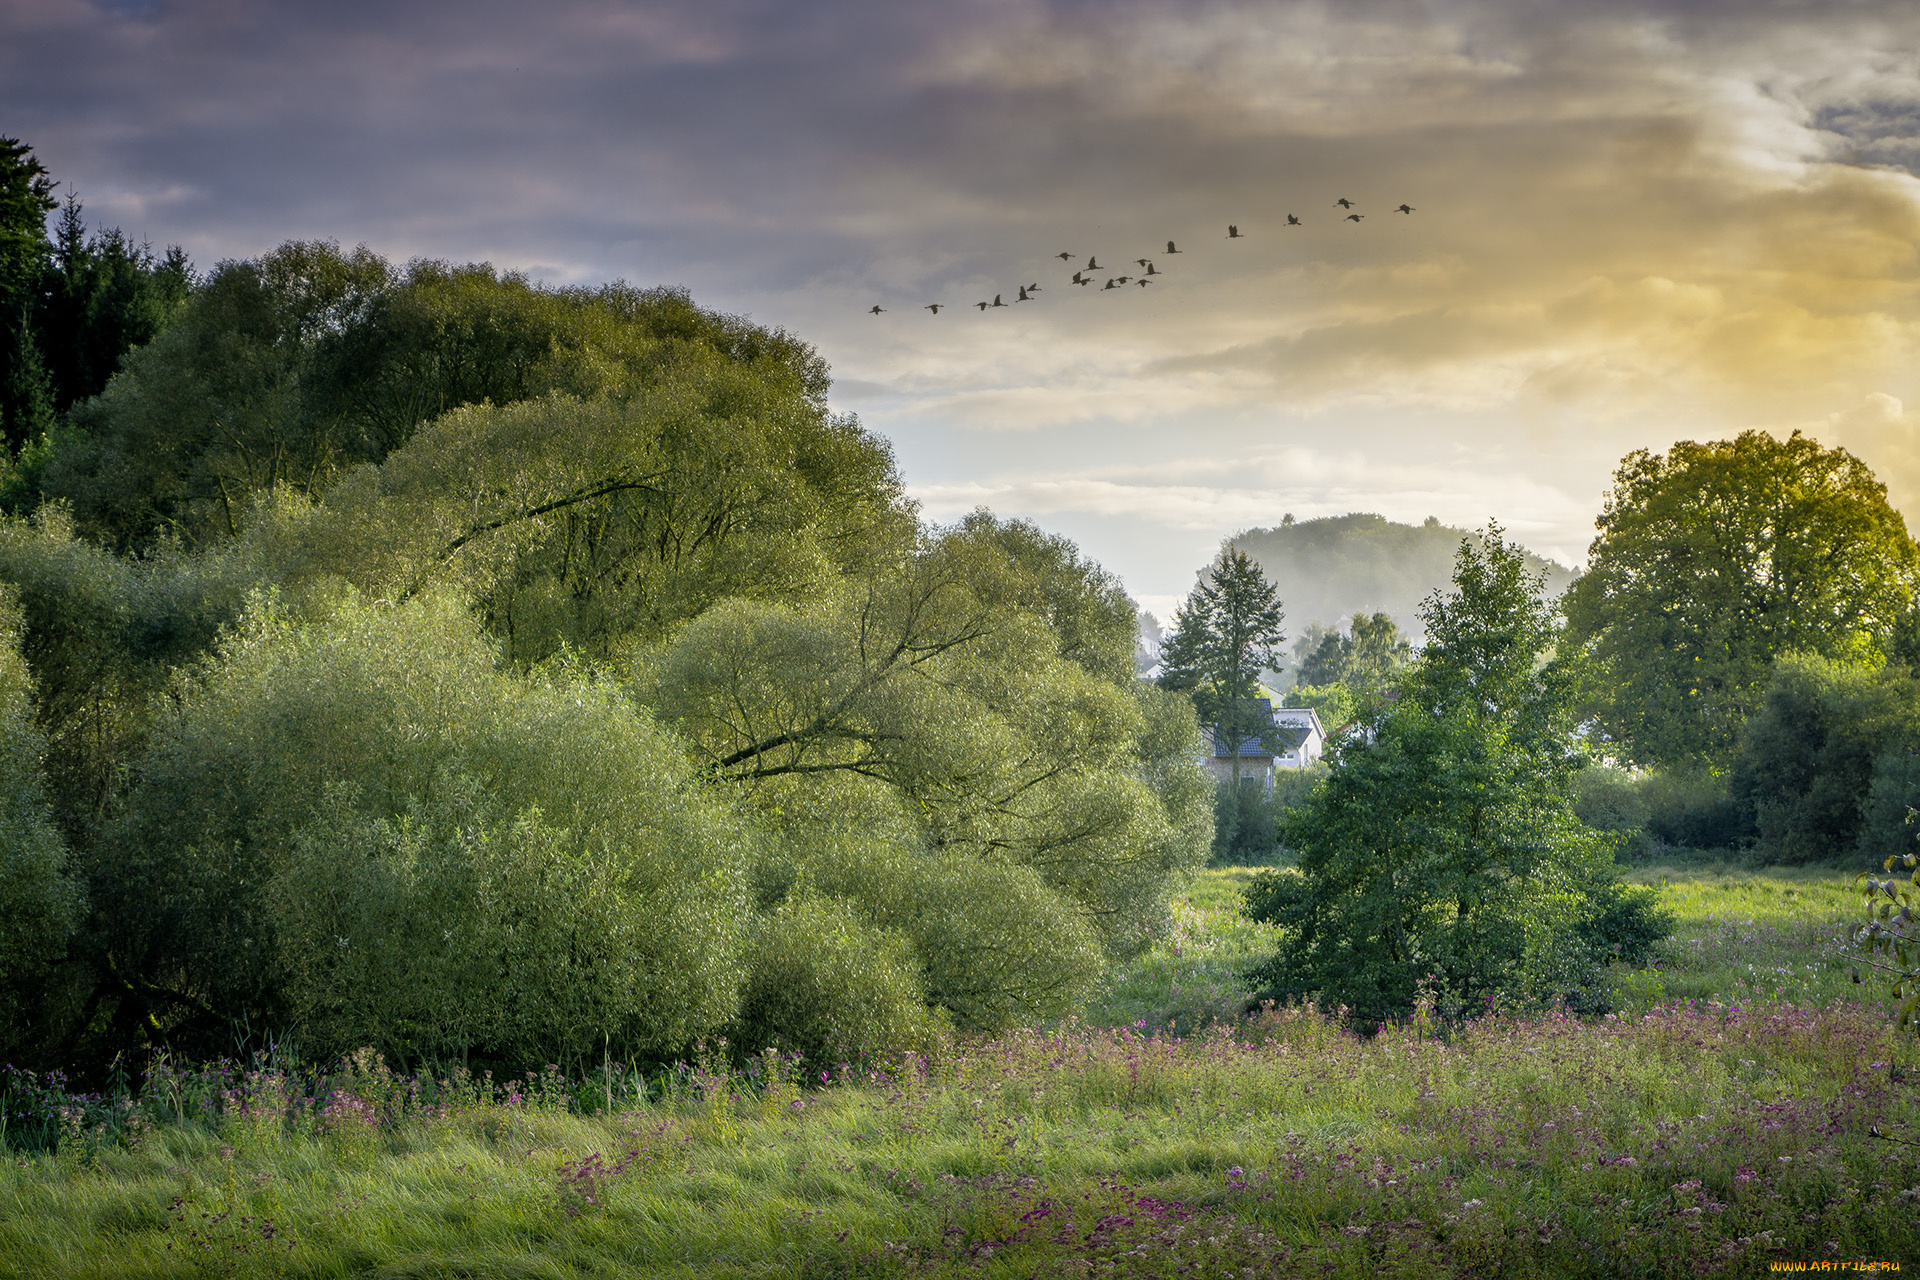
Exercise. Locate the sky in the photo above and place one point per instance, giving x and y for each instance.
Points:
(1632, 223)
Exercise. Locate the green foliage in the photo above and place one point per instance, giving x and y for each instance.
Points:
(356, 826)
(1810, 754)
(826, 984)
(1224, 636)
(40, 900)
(1693, 810)
(290, 370)
(1335, 703)
(1443, 845)
(592, 525)
(102, 635)
(1887, 943)
(1609, 799)
(1364, 660)
(1246, 824)
(941, 757)
(26, 197)
(1714, 559)
(101, 296)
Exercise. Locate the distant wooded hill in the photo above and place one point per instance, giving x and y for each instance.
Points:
(1329, 569)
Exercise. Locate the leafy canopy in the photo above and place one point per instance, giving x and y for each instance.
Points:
(1226, 634)
(1713, 559)
(1443, 843)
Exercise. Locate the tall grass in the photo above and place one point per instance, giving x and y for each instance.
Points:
(1695, 1134)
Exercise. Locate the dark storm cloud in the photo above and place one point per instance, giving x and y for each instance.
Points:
(1636, 221)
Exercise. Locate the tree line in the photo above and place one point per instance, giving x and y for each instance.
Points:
(1733, 668)
(426, 659)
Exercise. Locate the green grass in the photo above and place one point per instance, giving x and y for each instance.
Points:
(1678, 1139)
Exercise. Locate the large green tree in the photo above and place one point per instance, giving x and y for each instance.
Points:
(1443, 843)
(1714, 558)
(1226, 634)
(26, 198)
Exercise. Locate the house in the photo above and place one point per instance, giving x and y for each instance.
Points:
(1263, 752)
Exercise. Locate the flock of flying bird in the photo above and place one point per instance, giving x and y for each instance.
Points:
(1147, 268)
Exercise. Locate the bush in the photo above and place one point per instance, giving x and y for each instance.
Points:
(1895, 790)
(823, 983)
(1693, 811)
(1246, 823)
(358, 828)
(997, 946)
(1807, 760)
(39, 900)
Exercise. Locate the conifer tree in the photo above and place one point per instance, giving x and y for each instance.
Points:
(1224, 636)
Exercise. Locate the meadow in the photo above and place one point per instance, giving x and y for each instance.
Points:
(1721, 1123)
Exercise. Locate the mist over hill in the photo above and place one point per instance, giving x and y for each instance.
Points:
(1329, 569)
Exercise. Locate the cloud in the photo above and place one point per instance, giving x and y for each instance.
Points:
(1634, 222)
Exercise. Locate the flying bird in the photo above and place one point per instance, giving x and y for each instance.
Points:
(1152, 270)
(1355, 217)
(875, 310)
(1126, 279)
(1023, 295)
(1292, 221)
(997, 302)
(1170, 248)
(1092, 265)
(1142, 262)
(1405, 208)
(983, 305)
(1233, 232)
(934, 307)
(1064, 257)
(1109, 285)
(1344, 203)
(1033, 288)
(1080, 279)
(1143, 282)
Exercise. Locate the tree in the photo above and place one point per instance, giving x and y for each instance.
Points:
(1715, 558)
(26, 198)
(942, 746)
(1365, 659)
(1224, 636)
(1810, 757)
(1443, 843)
(101, 295)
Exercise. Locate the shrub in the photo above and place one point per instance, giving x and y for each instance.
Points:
(39, 900)
(1246, 823)
(357, 824)
(823, 983)
(1807, 759)
(1693, 811)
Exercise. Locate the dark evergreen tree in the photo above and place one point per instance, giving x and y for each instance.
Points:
(101, 296)
(26, 197)
(1225, 635)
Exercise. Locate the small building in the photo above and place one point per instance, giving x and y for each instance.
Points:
(1263, 752)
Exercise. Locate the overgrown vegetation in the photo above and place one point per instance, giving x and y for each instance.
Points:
(1442, 853)
(430, 661)
(1723, 1130)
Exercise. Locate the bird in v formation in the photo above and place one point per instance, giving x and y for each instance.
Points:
(1026, 291)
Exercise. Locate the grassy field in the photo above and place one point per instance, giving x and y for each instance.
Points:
(1720, 1126)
